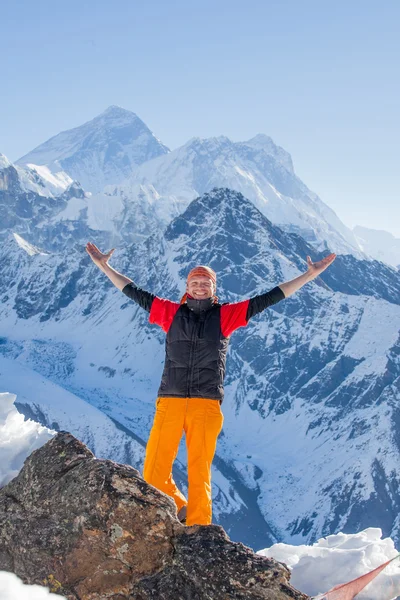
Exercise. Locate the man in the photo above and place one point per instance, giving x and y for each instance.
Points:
(191, 390)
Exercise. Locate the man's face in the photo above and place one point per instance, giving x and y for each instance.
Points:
(200, 287)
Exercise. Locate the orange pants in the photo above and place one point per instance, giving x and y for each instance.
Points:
(201, 419)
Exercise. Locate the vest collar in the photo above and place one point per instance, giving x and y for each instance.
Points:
(198, 306)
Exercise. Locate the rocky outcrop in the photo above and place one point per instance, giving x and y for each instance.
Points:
(94, 529)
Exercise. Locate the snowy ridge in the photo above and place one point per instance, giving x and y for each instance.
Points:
(29, 248)
(4, 162)
(265, 179)
(49, 183)
(32, 178)
(340, 558)
(264, 142)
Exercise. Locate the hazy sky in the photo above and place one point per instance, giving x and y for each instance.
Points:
(322, 78)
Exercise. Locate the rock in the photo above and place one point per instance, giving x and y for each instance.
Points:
(93, 529)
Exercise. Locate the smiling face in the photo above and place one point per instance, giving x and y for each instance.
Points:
(200, 287)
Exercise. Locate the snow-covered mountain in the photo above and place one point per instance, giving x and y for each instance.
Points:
(149, 186)
(52, 210)
(258, 169)
(38, 180)
(382, 245)
(29, 197)
(103, 151)
(310, 442)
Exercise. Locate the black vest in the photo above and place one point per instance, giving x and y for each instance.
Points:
(195, 353)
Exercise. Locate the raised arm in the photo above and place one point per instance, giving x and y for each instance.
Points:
(126, 285)
(238, 314)
(314, 269)
(101, 261)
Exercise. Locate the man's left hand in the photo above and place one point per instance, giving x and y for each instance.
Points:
(315, 269)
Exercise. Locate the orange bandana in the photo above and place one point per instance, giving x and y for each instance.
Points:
(204, 272)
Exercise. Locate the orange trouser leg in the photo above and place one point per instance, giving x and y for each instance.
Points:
(162, 447)
(203, 424)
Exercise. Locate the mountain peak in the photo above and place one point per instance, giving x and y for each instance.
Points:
(4, 162)
(116, 108)
(211, 140)
(105, 150)
(261, 141)
(117, 112)
(208, 145)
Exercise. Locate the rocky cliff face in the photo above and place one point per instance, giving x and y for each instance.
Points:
(95, 529)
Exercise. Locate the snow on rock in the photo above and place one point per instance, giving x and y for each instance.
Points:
(18, 438)
(4, 162)
(12, 588)
(102, 212)
(29, 248)
(37, 179)
(340, 558)
(57, 181)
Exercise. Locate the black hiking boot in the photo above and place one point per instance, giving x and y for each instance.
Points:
(182, 514)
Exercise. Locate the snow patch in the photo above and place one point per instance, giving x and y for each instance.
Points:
(4, 162)
(59, 180)
(12, 588)
(340, 558)
(27, 247)
(18, 439)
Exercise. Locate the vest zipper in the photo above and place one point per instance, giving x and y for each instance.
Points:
(191, 358)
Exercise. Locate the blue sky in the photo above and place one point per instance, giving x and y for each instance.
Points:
(321, 78)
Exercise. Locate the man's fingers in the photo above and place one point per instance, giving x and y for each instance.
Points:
(329, 259)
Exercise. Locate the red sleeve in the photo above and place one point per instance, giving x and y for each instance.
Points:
(233, 316)
(162, 312)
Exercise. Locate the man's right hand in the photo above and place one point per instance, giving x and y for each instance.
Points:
(99, 259)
